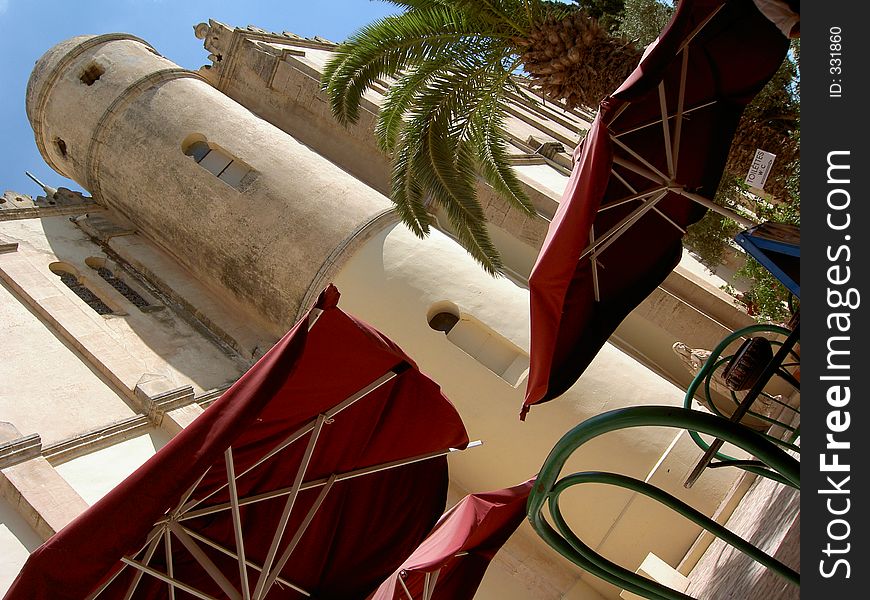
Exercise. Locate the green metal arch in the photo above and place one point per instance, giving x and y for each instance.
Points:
(548, 488)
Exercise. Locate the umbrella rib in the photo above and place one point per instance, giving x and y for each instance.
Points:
(740, 219)
(623, 181)
(293, 437)
(231, 554)
(633, 218)
(681, 100)
(426, 579)
(322, 481)
(639, 170)
(237, 523)
(617, 112)
(170, 580)
(683, 46)
(149, 554)
(189, 493)
(170, 565)
(700, 26)
(429, 589)
(594, 265)
(636, 196)
(405, 587)
(669, 220)
(640, 159)
(666, 129)
(288, 506)
(204, 561)
(617, 230)
(100, 589)
(285, 556)
(686, 111)
(155, 532)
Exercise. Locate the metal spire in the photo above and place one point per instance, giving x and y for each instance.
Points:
(49, 191)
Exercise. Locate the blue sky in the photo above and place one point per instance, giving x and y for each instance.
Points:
(30, 27)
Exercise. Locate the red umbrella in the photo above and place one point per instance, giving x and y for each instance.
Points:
(451, 562)
(316, 474)
(644, 172)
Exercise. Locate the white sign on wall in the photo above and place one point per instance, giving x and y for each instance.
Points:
(759, 169)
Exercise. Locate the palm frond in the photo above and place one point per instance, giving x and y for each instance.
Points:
(445, 162)
(407, 192)
(491, 154)
(388, 46)
(442, 120)
(403, 93)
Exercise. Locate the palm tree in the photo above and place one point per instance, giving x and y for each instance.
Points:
(451, 62)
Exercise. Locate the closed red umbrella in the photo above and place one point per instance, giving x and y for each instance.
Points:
(316, 474)
(646, 170)
(451, 562)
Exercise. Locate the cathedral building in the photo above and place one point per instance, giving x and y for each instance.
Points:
(218, 204)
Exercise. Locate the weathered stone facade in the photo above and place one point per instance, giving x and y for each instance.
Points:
(224, 258)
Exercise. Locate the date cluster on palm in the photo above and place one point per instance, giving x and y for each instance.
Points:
(573, 59)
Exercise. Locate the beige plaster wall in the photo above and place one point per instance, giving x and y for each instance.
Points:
(121, 347)
(95, 474)
(396, 281)
(17, 541)
(45, 387)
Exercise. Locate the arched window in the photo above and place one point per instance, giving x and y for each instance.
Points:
(443, 321)
(479, 341)
(70, 279)
(216, 161)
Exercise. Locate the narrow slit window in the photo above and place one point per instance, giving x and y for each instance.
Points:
(198, 151)
(82, 291)
(124, 289)
(218, 162)
(485, 345)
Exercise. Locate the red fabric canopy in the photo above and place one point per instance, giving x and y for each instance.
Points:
(451, 562)
(315, 395)
(633, 189)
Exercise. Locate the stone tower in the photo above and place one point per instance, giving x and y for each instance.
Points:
(265, 222)
(241, 204)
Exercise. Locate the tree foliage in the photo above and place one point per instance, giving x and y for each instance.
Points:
(449, 65)
(643, 20)
(609, 13)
